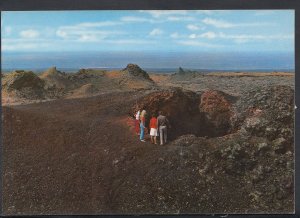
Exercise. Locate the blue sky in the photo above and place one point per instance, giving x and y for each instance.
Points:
(159, 31)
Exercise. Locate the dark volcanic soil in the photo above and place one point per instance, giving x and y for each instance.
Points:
(63, 156)
(231, 148)
(81, 156)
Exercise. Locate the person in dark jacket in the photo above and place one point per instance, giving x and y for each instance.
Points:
(162, 124)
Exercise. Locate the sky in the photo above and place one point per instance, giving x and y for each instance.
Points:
(209, 31)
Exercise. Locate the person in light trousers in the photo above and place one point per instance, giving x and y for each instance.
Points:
(163, 124)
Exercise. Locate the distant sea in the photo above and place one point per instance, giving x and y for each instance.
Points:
(167, 62)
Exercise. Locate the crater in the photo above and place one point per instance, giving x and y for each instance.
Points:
(205, 115)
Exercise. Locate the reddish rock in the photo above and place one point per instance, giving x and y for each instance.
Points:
(217, 107)
(179, 106)
(187, 115)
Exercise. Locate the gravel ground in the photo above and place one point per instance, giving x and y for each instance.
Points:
(81, 156)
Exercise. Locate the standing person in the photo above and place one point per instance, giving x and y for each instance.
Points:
(137, 122)
(162, 124)
(153, 129)
(142, 125)
(143, 114)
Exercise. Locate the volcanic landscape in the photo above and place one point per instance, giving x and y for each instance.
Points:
(69, 145)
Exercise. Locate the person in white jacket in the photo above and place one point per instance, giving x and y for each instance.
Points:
(137, 122)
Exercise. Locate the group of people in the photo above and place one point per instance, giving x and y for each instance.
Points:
(158, 126)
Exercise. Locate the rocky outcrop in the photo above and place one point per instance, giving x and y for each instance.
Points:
(179, 106)
(208, 115)
(22, 79)
(55, 79)
(263, 113)
(183, 74)
(134, 78)
(181, 71)
(217, 107)
(259, 155)
(264, 176)
(24, 84)
(136, 71)
(86, 74)
(268, 113)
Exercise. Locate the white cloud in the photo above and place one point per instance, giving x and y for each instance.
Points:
(90, 38)
(217, 23)
(62, 33)
(30, 33)
(208, 35)
(160, 13)
(9, 44)
(129, 41)
(180, 18)
(22, 46)
(98, 24)
(192, 27)
(86, 32)
(195, 27)
(170, 15)
(254, 24)
(245, 37)
(193, 36)
(156, 32)
(241, 41)
(89, 25)
(85, 35)
(225, 24)
(197, 43)
(175, 35)
(238, 38)
(157, 18)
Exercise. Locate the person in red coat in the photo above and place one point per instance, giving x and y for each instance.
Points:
(153, 129)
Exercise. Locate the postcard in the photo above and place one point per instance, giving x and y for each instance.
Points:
(148, 112)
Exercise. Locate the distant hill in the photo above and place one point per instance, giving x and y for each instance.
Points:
(135, 71)
(22, 85)
(18, 80)
(55, 79)
(133, 77)
(53, 84)
(185, 74)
